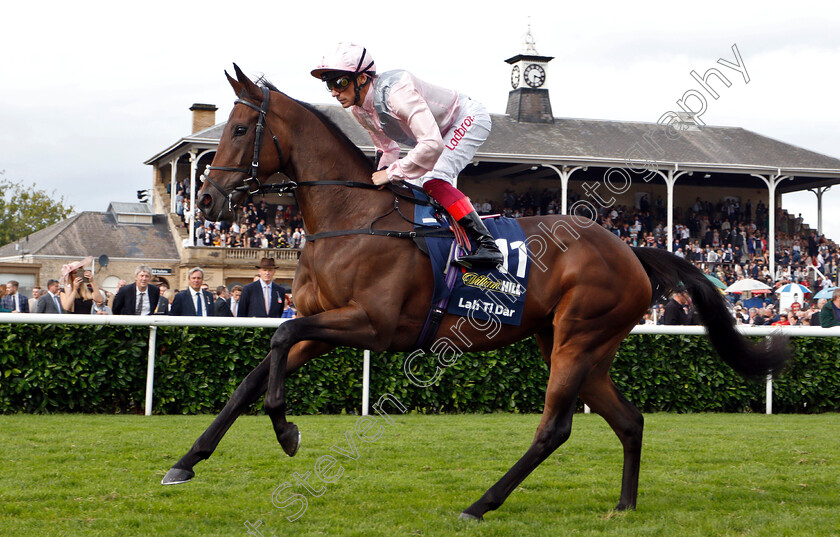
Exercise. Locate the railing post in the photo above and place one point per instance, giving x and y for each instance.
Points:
(366, 383)
(768, 396)
(150, 369)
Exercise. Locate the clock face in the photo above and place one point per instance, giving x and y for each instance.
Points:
(514, 77)
(534, 75)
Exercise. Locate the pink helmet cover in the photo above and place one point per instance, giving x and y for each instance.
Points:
(348, 57)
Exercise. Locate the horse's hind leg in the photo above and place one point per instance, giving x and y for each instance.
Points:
(601, 394)
(251, 388)
(567, 373)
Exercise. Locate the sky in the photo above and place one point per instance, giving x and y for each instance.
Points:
(90, 90)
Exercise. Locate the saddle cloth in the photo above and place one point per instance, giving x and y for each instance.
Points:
(478, 294)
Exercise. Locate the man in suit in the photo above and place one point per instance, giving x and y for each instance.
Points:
(138, 298)
(678, 310)
(221, 307)
(163, 302)
(36, 294)
(235, 295)
(15, 301)
(49, 302)
(194, 301)
(263, 297)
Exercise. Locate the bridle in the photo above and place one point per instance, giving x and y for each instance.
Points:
(252, 184)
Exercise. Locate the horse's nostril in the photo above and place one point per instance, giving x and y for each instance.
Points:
(206, 200)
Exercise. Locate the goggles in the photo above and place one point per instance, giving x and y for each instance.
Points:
(339, 84)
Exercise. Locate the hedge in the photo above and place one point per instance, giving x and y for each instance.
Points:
(96, 369)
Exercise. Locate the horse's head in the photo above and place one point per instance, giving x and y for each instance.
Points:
(245, 158)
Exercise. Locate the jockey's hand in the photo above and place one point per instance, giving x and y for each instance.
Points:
(380, 177)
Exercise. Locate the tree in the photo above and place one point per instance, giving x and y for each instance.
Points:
(25, 209)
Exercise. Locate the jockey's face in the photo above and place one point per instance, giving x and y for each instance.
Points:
(346, 95)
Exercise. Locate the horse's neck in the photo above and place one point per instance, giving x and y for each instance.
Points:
(320, 155)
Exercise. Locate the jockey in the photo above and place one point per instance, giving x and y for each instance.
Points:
(444, 129)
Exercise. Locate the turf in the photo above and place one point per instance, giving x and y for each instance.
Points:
(702, 474)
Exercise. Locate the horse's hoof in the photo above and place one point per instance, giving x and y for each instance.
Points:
(290, 440)
(176, 476)
(466, 516)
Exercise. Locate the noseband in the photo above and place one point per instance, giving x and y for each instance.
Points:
(252, 184)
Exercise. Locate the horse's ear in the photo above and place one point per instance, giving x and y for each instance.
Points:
(237, 87)
(246, 85)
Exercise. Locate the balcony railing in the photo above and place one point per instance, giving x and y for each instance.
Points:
(236, 256)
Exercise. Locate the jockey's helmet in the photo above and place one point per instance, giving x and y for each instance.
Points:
(347, 58)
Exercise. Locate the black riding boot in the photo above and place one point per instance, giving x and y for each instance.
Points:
(485, 254)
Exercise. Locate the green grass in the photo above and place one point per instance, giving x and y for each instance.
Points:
(702, 475)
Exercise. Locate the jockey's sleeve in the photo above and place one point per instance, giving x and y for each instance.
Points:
(390, 149)
(409, 106)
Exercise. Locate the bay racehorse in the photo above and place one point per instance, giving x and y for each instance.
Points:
(586, 289)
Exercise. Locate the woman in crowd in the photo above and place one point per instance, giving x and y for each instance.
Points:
(2, 294)
(80, 291)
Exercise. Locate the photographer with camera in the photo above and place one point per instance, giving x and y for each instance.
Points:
(80, 291)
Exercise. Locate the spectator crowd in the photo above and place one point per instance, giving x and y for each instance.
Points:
(76, 292)
(727, 240)
(258, 225)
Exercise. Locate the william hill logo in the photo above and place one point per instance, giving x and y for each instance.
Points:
(486, 283)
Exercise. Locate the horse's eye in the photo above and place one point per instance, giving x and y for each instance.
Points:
(240, 130)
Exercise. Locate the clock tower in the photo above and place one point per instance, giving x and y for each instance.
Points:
(528, 101)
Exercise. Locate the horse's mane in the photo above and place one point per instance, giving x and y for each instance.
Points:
(329, 123)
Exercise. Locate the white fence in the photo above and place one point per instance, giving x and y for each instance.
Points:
(154, 321)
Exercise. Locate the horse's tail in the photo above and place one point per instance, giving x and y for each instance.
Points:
(668, 273)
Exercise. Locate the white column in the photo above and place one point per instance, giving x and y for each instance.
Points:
(771, 229)
(565, 173)
(772, 182)
(669, 209)
(670, 180)
(193, 165)
(173, 171)
(819, 191)
(672, 184)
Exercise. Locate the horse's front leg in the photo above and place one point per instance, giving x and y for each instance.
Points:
(349, 326)
(249, 390)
